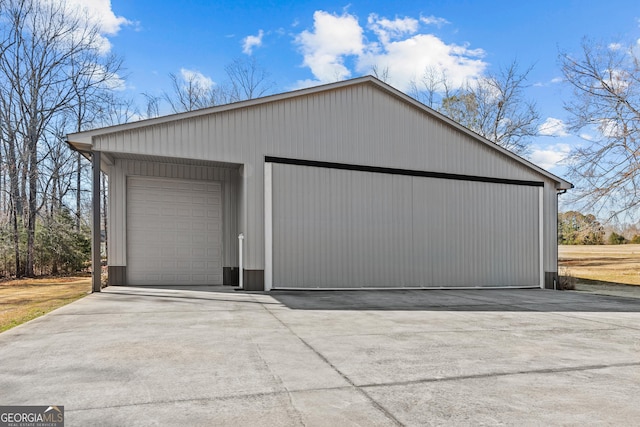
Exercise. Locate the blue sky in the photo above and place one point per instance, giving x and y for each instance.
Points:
(303, 43)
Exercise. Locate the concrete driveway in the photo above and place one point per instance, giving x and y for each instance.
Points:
(132, 356)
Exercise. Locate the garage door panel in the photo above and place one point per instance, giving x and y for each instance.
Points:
(174, 232)
(346, 234)
(182, 225)
(477, 234)
(344, 228)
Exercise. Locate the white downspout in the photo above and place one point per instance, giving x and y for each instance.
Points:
(240, 239)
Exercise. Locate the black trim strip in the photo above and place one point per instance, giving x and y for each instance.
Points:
(406, 172)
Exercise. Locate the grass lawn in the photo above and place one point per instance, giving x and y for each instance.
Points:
(25, 299)
(601, 263)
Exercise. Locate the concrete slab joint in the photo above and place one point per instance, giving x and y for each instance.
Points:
(217, 356)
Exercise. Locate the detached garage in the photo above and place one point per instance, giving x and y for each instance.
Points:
(342, 186)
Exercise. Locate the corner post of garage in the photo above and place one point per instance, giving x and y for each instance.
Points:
(96, 238)
(268, 226)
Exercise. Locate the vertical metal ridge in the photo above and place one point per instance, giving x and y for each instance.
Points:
(339, 228)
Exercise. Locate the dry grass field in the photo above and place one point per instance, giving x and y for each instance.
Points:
(601, 263)
(26, 299)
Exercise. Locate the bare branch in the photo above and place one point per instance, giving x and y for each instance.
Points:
(494, 106)
(605, 107)
(52, 72)
(247, 80)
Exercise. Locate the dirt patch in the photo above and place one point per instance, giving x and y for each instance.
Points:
(25, 299)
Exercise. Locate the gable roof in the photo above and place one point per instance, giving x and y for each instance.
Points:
(82, 141)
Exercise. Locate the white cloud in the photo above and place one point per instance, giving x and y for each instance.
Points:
(100, 14)
(396, 45)
(611, 129)
(618, 79)
(553, 127)
(303, 84)
(550, 156)
(553, 81)
(432, 20)
(196, 77)
(408, 59)
(615, 46)
(324, 49)
(387, 29)
(249, 42)
(108, 79)
(117, 83)
(587, 137)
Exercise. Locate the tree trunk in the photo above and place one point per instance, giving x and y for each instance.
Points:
(33, 190)
(15, 196)
(78, 192)
(16, 240)
(15, 199)
(31, 220)
(24, 173)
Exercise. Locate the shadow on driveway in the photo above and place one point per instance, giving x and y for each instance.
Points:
(214, 356)
(487, 300)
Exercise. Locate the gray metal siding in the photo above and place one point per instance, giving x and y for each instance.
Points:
(118, 207)
(354, 125)
(358, 124)
(339, 228)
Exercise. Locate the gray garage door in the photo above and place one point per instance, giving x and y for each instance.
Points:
(348, 229)
(174, 232)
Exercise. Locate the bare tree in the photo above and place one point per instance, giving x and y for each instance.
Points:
(495, 107)
(151, 105)
(605, 109)
(51, 59)
(9, 118)
(92, 100)
(189, 93)
(432, 88)
(463, 107)
(247, 80)
(379, 73)
(115, 110)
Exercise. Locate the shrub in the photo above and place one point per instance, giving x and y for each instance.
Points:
(59, 246)
(616, 239)
(566, 281)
